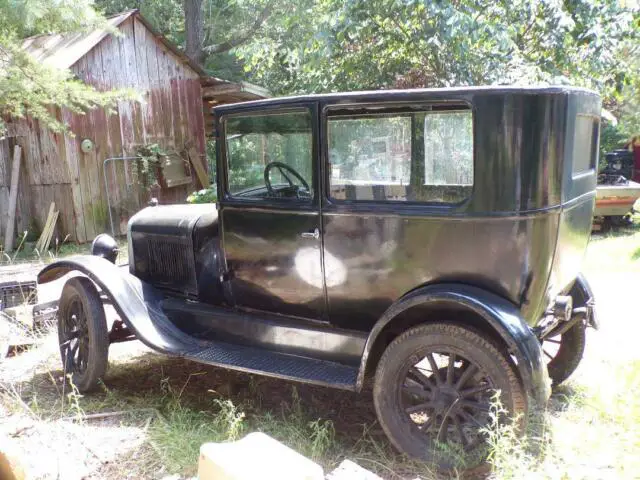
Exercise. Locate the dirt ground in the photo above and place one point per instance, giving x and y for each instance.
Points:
(57, 434)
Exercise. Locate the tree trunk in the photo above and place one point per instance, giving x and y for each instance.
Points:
(194, 27)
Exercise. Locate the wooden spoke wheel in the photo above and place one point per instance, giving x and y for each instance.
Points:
(564, 352)
(433, 392)
(82, 333)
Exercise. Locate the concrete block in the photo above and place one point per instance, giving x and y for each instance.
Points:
(256, 456)
(349, 470)
(10, 468)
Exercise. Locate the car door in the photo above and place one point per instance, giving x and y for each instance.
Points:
(393, 173)
(270, 214)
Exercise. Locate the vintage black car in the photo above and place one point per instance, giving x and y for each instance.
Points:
(428, 240)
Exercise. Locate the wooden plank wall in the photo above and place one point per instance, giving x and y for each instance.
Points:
(31, 195)
(23, 217)
(170, 115)
(56, 170)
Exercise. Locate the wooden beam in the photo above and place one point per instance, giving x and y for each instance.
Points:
(223, 89)
(13, 199)
(201, 172)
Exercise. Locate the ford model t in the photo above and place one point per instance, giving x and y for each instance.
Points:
(429, 241)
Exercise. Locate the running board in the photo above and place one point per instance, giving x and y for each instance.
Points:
(278, 333)
(275, 364)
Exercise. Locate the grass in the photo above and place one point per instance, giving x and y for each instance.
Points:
(187, 404)
(589, 430)
(162, 409)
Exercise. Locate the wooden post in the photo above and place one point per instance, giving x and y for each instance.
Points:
(13, 199)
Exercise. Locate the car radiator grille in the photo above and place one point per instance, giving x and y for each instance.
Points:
(13, 294)
(166, 261)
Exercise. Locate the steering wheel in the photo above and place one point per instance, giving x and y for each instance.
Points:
(282, 167)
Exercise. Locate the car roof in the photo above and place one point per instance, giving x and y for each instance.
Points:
(405, 94)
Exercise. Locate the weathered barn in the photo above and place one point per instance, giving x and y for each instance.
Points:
(69, 169)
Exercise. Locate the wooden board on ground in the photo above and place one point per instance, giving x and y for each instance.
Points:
(201, 172)
(47, 231)
(13, 199)
(40, 242)
(51, 230)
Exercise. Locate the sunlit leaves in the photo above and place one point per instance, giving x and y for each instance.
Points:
(378, 44)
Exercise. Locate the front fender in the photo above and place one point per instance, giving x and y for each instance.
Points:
(503, 316)
(137, 303)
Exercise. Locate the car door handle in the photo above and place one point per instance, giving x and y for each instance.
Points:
(315, 234)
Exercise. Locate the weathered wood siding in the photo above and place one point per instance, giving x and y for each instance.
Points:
(43, 179)
(55, 168)
(23, 216)
(170, 115)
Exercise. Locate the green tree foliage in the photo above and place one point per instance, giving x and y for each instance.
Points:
(30, 88)
(335, 45)
(626, 104)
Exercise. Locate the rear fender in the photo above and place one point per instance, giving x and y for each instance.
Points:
(137, 303)
(583, 297)
(503, 317)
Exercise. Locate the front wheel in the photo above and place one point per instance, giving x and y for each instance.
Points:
(83, 334)
(433, 392)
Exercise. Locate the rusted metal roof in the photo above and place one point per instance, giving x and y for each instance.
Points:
(63, 51)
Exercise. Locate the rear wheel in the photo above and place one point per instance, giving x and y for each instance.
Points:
(433, 393)
(564, 352)
(82, 333)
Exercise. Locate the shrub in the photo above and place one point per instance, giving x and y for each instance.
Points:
(206, 195)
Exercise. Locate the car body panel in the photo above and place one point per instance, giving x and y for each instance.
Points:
(502, 238)
(273, 267)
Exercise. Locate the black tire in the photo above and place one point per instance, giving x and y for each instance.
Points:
(83, 334)
(564, 352)
(400, 380)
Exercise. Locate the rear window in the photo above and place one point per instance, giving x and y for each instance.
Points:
(416, 156)
(585, 143)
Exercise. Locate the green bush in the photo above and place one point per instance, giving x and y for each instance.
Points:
(206, 195)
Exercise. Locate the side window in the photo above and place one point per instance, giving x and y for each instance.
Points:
(585, 141)
(448, 149)
(423, 156)
(270, 155)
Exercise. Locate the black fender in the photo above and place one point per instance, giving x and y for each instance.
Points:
(583, 297)
(137, 303)
(503, 316)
